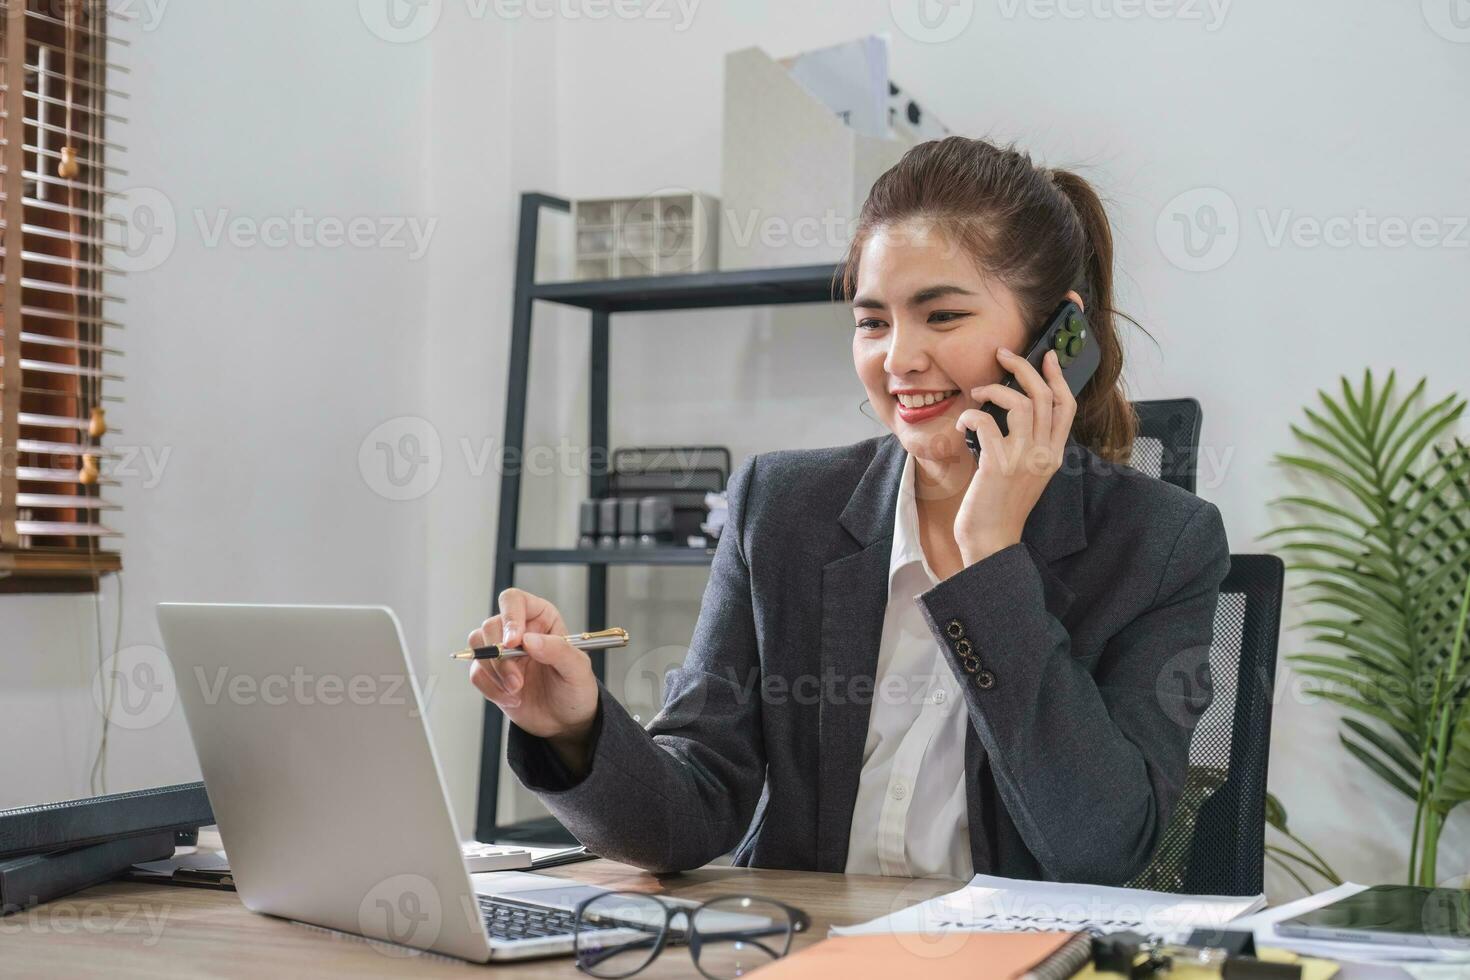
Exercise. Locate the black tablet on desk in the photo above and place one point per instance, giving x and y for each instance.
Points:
(1396, 915)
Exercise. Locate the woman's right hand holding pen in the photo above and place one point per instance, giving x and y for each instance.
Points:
(551, 692)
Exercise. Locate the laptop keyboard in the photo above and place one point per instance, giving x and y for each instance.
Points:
(507, 920)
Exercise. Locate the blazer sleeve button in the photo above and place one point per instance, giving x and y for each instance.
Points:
(955, 629)
(969, 664)
(984, 680)
(963, 648)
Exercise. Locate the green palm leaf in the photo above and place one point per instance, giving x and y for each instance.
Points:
(1383, 558)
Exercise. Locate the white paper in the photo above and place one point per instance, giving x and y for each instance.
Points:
(990, 904)
(850, 79)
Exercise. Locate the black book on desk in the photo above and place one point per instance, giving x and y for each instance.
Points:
(37, 878)
(53, 849)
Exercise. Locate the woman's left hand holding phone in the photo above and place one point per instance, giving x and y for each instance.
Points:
(1015, 468)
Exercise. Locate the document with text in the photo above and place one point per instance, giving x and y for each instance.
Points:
(990, 904)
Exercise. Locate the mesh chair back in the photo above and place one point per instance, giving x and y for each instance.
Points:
(1168, 440)
(1215, 843)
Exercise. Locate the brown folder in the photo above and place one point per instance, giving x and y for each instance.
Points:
(951, 956)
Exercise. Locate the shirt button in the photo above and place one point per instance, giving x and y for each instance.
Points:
(938, 697)
(900, 791)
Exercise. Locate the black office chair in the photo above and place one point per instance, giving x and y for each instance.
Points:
(1168, 440)
(1216, 842)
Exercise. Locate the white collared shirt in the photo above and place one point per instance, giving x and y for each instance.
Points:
(911, 817)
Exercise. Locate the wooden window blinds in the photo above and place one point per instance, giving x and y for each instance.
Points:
(58, 370)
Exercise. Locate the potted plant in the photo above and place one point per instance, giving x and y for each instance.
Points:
(1386, 557)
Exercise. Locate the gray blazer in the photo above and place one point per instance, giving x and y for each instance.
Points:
(1075, 649)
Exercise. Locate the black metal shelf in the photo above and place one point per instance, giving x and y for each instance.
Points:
(695, 290)
(612, 556)
(601, 298)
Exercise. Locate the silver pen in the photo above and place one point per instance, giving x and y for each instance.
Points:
(608, 639)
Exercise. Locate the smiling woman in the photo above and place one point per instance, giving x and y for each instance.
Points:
(908, 661)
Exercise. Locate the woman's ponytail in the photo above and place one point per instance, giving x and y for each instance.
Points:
(1106, 422)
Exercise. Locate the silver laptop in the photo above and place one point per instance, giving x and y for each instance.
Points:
(310, 732)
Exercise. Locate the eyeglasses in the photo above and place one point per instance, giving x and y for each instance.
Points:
(616, 934)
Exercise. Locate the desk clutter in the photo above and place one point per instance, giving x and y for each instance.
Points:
(658, 497)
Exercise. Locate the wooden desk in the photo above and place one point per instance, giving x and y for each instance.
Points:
(123, 929)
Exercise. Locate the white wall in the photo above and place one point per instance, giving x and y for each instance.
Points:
(257, 370)
(289, 358)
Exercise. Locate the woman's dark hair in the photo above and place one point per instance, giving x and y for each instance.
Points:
(1039, 231)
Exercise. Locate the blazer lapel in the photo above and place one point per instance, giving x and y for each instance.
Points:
(1055, 527)
(854, 600)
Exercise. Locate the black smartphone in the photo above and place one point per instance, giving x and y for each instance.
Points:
(1068, 333)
